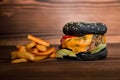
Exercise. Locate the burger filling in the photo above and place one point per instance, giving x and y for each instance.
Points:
(91, 43)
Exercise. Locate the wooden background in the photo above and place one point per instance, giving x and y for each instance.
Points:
(46, 18)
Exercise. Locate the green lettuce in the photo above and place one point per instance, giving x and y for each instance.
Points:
(98, 48)
(65, 52)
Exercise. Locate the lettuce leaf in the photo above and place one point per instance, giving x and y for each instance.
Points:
(65, 52)
(98, 48)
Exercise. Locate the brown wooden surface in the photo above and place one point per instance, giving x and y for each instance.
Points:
(52, 69)
(47, 17)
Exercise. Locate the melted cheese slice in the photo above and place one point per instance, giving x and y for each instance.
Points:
(78, 44)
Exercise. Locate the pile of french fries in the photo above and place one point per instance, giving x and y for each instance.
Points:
(37, 49)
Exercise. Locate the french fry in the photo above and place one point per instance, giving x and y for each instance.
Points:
(38, 58)
(25, 55)
(18, 60)
(47, 52)
(38, 40)
(53, 54)
(29, 50)
(18, 46)
(30, 45)
(41, 47)
(14, 55)
(22, 49)
(35, 50)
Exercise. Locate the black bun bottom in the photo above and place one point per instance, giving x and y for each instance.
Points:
(89, 57)
(97, 56)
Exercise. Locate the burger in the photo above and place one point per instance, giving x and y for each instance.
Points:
(83, 41)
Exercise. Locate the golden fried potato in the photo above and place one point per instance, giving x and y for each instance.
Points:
(47, 52)
(35, 50)
(38, 40)
(22, 49)
(18, 60)
(18, 46)
(14, 54)
(41, 47)
(30, 45)
(53, 54)
(26, 55)
(38, 58)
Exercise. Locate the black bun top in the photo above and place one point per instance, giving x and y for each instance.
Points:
(82, 28)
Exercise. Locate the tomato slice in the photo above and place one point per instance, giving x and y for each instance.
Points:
(67, 36)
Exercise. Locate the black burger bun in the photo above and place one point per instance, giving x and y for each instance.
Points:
(89, 57)
(83, 28)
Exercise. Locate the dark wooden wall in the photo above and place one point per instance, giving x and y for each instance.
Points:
(47, 17)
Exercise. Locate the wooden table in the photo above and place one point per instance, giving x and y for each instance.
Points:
(52, 69)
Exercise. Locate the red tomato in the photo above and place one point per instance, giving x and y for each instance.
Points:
(65, 37)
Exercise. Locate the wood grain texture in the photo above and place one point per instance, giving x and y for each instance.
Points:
(47, 17)
(52, 69)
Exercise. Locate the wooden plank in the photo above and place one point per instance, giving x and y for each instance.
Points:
(107, 69)
(45, 18)
(61, 70)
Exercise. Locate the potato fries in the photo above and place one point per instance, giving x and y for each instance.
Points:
(30, 45)
(22, 49)
(38, 40)
(14, 55)
(18, 60)
(36, 50)
(25, 55)
(44, 53)
(53, 54)
(38, 58)
(41, 47)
